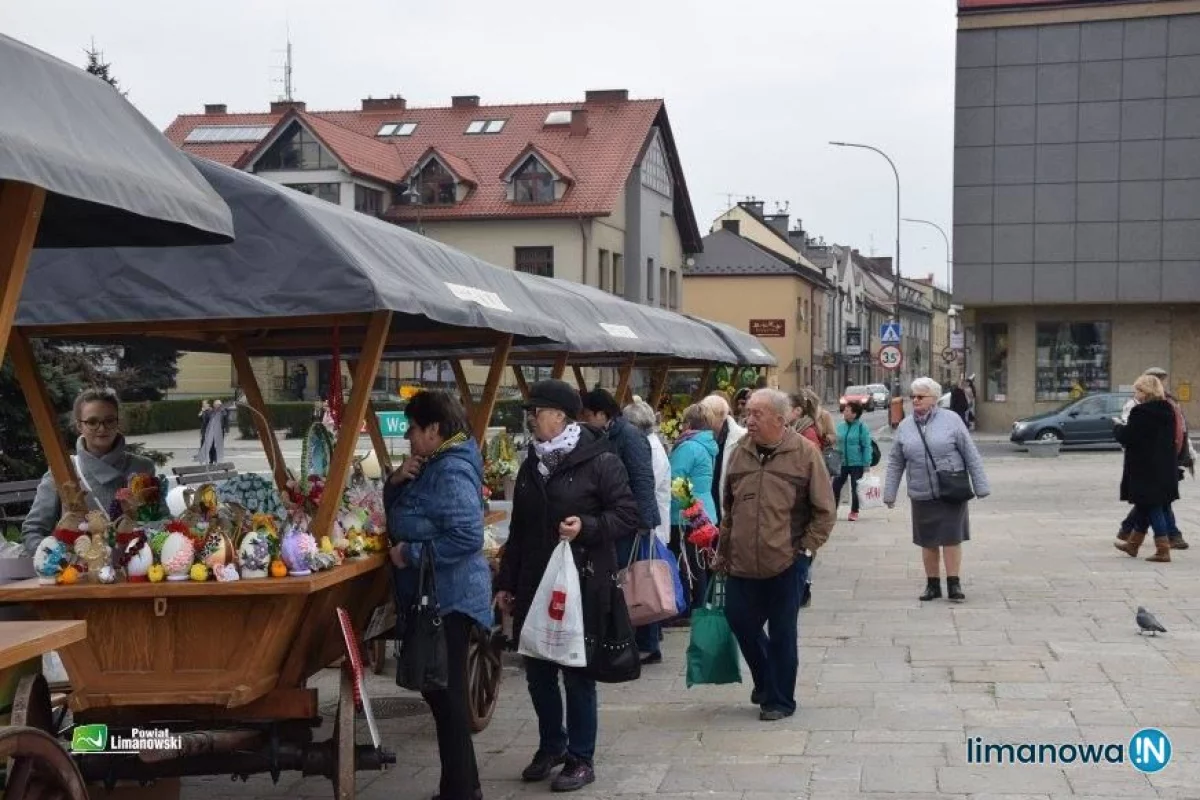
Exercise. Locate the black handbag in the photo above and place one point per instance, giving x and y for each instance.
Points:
(608, 635)
(951, 485)
(422, 664)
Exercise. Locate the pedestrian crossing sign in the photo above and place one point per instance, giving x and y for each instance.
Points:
(889, 333)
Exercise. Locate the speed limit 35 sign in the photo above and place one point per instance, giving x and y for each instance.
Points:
(890, 357)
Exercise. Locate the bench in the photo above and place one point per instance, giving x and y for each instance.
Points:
(208, 473)
(15, 499)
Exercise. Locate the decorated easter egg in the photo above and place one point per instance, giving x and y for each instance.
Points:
(107, 575)
(254, 555)
(49, 560)
(297, 550)
(139, 560)
(218, 550)
(178, 553)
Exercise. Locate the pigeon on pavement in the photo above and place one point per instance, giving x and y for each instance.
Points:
(1147, 622)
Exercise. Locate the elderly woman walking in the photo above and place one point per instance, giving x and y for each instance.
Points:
(934, 447)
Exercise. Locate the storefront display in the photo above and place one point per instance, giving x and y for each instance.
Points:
(1073, 359)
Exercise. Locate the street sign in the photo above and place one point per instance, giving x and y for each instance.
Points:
(956, 340)
(890, 357)
(889, 333)
(394, 424)
(854, 346)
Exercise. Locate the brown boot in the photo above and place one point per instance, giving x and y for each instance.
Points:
(1131, 547)
(1162, 550)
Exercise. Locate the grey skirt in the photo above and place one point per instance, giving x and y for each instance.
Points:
(938, 524)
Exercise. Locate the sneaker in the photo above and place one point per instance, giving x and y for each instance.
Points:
(651, 658)
(756, 697)
(539, 769)
(772, 715)
(853, 516)
(574, 776)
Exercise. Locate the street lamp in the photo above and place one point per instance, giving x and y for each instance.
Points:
(895, 172)
(946, 239)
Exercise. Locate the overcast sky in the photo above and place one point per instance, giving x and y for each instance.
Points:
(754, 90)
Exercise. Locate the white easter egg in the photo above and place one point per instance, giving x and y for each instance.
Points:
(178, 553)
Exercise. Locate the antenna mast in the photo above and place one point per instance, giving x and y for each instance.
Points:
(287, 69)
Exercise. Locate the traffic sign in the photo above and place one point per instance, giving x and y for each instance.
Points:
(394, 424)
(890, 357)
(889, 333)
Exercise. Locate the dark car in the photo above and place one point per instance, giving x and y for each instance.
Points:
(1088, 420)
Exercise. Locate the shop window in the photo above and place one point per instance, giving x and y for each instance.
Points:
(1073, 359)
(995, 353)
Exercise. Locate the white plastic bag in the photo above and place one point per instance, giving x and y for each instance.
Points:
(870, 492)
(553, 631)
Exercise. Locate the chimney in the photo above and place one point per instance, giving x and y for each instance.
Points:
(394, 103)
(215, 108)
(280, 106)
(464, 101)
(579, 122)
(753, 206)
(779, 222)
(606, 96)
(732, 225)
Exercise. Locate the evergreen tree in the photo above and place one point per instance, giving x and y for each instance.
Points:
(97, 66)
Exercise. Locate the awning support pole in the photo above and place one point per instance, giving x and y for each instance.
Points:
(20, 214)
(487, 403)
(262, 418)
(41, 408)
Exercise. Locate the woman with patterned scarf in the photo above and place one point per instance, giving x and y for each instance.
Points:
(571, 487)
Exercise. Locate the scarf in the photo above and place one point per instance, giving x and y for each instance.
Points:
(552, 453)
(453, 441)
(803, 423)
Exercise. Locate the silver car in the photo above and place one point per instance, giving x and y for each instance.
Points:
(879, 395)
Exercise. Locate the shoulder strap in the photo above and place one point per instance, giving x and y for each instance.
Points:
(929, 455)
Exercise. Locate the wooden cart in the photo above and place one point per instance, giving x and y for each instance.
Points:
(222, 665)
(38, 766)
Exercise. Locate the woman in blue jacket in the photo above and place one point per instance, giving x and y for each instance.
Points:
(435, 500)
(693, 458)
(854, 440)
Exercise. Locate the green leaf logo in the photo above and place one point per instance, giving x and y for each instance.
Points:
(89, 738)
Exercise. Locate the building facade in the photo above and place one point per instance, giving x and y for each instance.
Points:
(589, 191)
(1077, 198)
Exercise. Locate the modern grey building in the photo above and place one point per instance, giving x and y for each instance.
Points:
(1077, 198)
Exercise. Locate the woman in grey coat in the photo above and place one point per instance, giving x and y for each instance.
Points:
(101, 463)
(937, 525)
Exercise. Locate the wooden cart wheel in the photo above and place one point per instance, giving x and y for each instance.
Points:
(38, 767)
(378, 654)
(343, 740)
(31, 706)
(483, 678)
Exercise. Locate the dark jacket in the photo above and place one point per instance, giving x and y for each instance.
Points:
(590, 484)
(634, 449)
(443, 507)
(959, 403)
(1150, 476)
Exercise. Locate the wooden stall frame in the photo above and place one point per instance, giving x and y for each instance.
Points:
(487, 403)
(560, 367)
(522, 384)
(658, 384)
(624, 374)
(41, 408)
(464, 388)
(20, 215)
(579, 381)
(262, 419)
(375, 431)
(702, 390)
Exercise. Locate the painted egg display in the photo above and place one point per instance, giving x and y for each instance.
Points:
(178, 553)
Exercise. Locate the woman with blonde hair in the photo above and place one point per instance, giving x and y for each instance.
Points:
(1150, 477)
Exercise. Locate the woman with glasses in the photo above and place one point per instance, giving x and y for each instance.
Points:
(102, 464)
(930, 441)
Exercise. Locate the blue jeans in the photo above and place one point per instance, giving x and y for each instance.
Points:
(773, 656)
(1134, 521)
(579, 737)
(1159, 518)
(647, 636)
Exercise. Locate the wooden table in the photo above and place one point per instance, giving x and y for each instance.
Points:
(22, 641)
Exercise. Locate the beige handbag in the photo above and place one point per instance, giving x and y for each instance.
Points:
(648, 586)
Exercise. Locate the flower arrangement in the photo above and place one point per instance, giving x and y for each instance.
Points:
(499, 462)
(699, 529)
(303, 498)
(408, 392)
(671, 426)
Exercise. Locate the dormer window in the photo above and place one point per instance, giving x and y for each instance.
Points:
(436, 184)
(533, 183)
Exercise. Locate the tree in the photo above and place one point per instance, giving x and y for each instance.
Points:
(100, 68)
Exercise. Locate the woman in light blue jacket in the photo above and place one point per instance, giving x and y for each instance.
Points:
(934, 439)
(854, 443)
(693, 458)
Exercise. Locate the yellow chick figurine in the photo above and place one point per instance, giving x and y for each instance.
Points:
(156, 573)
(199, 572)
(326, 544)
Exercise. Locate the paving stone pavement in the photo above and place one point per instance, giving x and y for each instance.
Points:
(1045, 650)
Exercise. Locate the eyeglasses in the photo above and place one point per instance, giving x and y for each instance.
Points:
(919, 396)
(93, 424)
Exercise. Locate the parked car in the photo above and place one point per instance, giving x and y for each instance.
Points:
(857, 394)
(1088, 420)
(879, 395)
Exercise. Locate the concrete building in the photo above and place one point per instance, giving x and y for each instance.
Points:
(589, 190)
(1077, 198)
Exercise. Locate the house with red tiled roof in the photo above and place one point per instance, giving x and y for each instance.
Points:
(591, 191)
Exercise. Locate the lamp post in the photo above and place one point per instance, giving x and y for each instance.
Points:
(946, 239)
(895, 172)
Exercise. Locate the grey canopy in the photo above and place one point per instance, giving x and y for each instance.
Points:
(111, 179)
(750, 351)
(294, 256)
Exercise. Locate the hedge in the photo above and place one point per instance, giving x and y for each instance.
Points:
(294, 417)
(161, 416)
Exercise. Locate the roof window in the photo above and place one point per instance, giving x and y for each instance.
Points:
(558, 118)
(397, 129)
(208, 134)
(485, 126)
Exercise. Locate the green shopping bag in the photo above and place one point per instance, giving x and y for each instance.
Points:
(712, 654)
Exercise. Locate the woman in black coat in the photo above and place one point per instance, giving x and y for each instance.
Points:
(1150, 479)
(572, 486)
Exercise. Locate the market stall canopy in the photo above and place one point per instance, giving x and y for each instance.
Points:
(294, 257)
(111, 178)
(751, 352)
